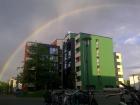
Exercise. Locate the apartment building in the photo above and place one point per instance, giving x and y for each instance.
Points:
(94, 62)
(135, 81)
(69, 61)
(40, 63)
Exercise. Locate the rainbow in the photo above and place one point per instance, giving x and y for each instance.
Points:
(45, 26)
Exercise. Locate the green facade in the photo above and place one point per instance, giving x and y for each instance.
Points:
(90, 76)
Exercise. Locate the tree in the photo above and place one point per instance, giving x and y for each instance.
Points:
(19, 77)
(3, 87)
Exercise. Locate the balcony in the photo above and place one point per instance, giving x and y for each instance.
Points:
(120, 73)
(77, 37)
(77, 45)
(119, 60)
(78, 63)
(77, 55)
(79, 83)
(78, 73)
(119, 66)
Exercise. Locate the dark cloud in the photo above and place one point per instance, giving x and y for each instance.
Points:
(19, 18)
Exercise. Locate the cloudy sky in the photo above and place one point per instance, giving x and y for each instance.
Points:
(46, 20)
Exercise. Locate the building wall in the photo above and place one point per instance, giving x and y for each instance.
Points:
(135, 81)
(59, 42)
(118, 68)
(96, 62)
(40, 60)
(69, 61)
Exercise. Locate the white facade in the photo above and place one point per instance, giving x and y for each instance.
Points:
(119, 68)
(14, 85)
(135, 81)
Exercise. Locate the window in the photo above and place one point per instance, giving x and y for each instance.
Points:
(97, 43)
(120, 76)
(78, 78)
(77, 50)
(119, 69)
(97, 48)
(77, 41)
(51, 58)
(118, 63)
(53, 51)
(97, 57)
(77, 68)
(65, 55)
(69, 64)
(69, 53)
(65, 50)
(65, 66)
(54, 58)
(98, 66)
(68, 45)
(117, 56)
(77, 59)
(65, 58)
(43, 57)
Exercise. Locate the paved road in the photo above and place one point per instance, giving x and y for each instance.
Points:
(103, 100)
(11, 100)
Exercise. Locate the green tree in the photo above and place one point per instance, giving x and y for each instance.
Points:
(3, 87)
(20, 77)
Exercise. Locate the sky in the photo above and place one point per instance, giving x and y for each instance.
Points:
(45, 20)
